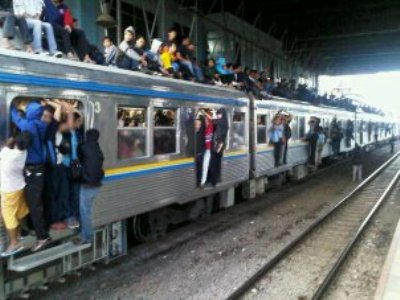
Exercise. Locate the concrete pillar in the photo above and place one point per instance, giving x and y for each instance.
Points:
(227, 198)
(249, 189)
(260, 186)
(299, 172)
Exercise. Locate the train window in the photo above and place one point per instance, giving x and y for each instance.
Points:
(262, 129)
(238, 130)
(132, 132)
(165, 132)
(302, 127)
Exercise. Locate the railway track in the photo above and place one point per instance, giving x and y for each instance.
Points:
(304, 268)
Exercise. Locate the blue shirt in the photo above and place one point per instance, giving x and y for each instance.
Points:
(74, 150)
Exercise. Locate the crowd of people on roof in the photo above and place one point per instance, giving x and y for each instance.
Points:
(47, 27)
(49, 172)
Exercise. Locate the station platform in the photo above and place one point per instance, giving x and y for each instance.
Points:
(389, 282)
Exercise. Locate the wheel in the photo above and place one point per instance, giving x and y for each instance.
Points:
(150, 226)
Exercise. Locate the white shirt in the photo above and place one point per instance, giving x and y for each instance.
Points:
(28, 8)
(12, 163)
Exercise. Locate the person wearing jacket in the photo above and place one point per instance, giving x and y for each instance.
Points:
(199, 126)
(128, 57)
(32, 10)
(92, 159)
(35, 122)
(53, 16)
(221, 128)
(78, 38)
(10, 21)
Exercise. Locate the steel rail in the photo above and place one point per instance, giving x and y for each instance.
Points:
(329, 277)
(246, 285)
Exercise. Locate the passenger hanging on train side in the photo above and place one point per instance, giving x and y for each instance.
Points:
(221, 128)
(349, 133)
(312, 139)
(358, 161)
(320, 146)
(336, 137)
(208, 144)
(10, 21)
(276, 138)
(13, 205)
(200, 127)
(57, 184)
(73, 165)
(91, 158)
(35, 121)
(32, 11)
(392, 142)
(287, 133)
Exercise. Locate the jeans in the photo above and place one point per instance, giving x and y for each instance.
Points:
(38, 27)
(128, 63)
(87, 195)
(10, 22)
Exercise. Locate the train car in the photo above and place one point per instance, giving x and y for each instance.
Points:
(149, 165)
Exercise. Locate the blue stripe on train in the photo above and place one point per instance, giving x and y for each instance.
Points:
(135, 174)
(98, 87)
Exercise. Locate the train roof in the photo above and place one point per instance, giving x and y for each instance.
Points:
(32, 66)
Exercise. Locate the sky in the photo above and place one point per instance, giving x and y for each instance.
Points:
(381, 90)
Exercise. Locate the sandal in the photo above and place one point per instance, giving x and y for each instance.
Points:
(12, 251)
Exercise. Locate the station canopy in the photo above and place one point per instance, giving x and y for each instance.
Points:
(332, 37)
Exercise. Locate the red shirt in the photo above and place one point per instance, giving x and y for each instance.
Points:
(209, 135)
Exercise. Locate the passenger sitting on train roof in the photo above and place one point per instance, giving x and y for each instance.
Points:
(166, 58)
(128, 58)
(53, 16)
(78, 38)
(184, 58)
(13, 204)
(110, 51)
(10, 21)
(32, 10)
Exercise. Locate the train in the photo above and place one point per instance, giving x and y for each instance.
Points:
(150, 179)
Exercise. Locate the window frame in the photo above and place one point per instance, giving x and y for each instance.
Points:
(176, 127)
(266, 115)
(146, 129)
(245, 129)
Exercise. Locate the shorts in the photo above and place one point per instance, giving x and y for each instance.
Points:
(13, 208)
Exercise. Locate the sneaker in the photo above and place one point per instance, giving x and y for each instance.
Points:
(43, 53)
(73, 224)
(57, 54)
(58, 226)
(40, 244)
(12, 251)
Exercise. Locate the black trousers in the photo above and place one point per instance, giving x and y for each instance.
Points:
(80, 43)
(277, 153)
(34, 178)
(285, 150)
(199, 167)
(63, 38)
(57, 194)
(10, 22)
(313, 149)
(215, 167)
